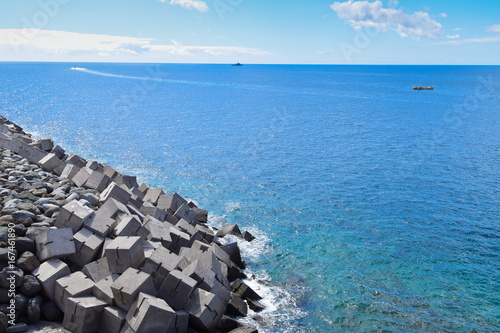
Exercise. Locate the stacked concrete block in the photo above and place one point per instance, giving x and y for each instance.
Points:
(170, 202)
(176, 289)
(150, 247)
(131, 226)
(116, 192)
(186, 227)
(149, 314)
(129, 181)
(207, 233)
(109, 171)
(152, 195)
(87, 245)
(124, 252)
(185, 212)
(76, 160)
(113, 209)
(200, 245)
(229, 229)
(102, 289)
(244, 291)
(205, 310)
(179, 239)
(33, 154)
(149, 209)
(58, 151)
(81, 177)
(83, 314)
(46, 143)
(70, 171)
(55, 243)
(233, 250)
(17, 143)
(73, 215)
(48, 273)
(50, 162)
(5, 140)
(158, 230)
(161, 263)
(100, 224)
(201, 214)
(73, 285)
(97, 270)
(97, 181)
(128, 286)
(112, 320)
(94, 166)
(200, 272)
(211, 261)
(236, 306)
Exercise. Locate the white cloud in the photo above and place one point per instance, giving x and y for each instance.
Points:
(488, 39)
(494, 28)
(372, 14)
(190, 4)
(453, 36)
(36, 44)
(444, 15)
(458, 29)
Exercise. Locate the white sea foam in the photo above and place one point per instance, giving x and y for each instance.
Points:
(79, 69)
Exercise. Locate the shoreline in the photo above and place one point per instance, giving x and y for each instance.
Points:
(82, 232)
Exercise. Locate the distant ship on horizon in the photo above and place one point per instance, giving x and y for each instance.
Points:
(237, 64)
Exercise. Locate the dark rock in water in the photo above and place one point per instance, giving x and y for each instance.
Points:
(248, 236)
(27, 262)
(34, 309)
(50, 311)
(21, 303)
(241, 288)
(9, 272)
(31, 287)
(24, 244)
(244, 329)
(4, 322)
(229, 229)
(256, 305)
(17, 328)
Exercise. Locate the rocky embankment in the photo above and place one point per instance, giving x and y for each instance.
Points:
(83, 244)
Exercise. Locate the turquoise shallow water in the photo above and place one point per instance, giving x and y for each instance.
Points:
(376, 207)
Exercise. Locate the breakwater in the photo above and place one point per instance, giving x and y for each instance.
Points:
(84, 244)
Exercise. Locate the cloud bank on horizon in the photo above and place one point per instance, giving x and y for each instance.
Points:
(190, 4)
(361, 14)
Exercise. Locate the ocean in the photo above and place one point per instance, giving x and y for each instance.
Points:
(376, 207)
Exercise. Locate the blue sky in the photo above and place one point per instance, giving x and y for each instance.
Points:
(252, 31)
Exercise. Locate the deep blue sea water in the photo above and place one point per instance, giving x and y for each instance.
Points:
(376, 207)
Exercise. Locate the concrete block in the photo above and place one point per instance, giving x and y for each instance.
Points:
(73, 215)
(128, 286)
(186, 227)
(237, 306)
(179, 239)
(201, 214)
(160, 264)
(143, 188)
(87, 245)
(70, 171)
(4, 140)
(131, 226)
(233, 250)
(97, 270)
(100, 224)
(185, 212)
(109, 171)
(152, 195)
(199, 245)
(102, 289)
(58, 151)
(171, 219)
(150, 247)
(17, 143)
(220, 254)
(248, 236)
(93, 165)
(183, 264)
(107, 241)
(176, 289)
(181, 322)
(116, 192)
(222, 292)
(200, 272)
(211, 261)
(229, 229)
(170, 202)
(205, 310)
(83, 314)
(111, 208)
(150, 314)
(50, 162)
(207, 234)
(76, 160)
(55, 243)
(244, 291)
(73, 285)
(46, 143)
(124, 252)
(256, 306)
(82, 176)
(48, 273)
(129, 181)
(134, 210)
(97, 181)
(159, 231)
(32, 154)
(148, 209)
(112, 320)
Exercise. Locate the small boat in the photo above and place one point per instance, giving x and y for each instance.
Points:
(423, 88)
(237, 64)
